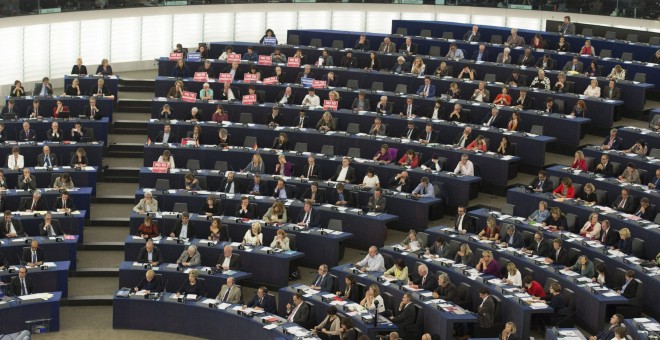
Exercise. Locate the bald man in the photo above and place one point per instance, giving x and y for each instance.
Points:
(230, 293)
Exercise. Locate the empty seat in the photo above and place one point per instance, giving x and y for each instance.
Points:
(655, 153)
(328, 150)
(293, 39)
(180, 207)
(425, 33)
(632, 37)
(221, 166)
(353, 128)
(640, 77)
(537, 130)
(508, 209)
(561, 105)
(245, 118)
(638, 247)
(402, 31)
(435, 51)
(401, 88)
(335, 224)
(338, 44)
(162, 184)
(193, 165)
(250, 141)
(490, 78)
(627, 56)
(588, 32)
(571, 220)
(352, 84)
(300, 147)
(495, 39)
(377, 86)
(605, 53)
(654, 41)
(316, 42)
(448, 35)
(610, 35)
(353, 152)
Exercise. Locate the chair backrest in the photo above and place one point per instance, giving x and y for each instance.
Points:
(300, 147)
(402, 31)
(638, 247)
(193, 164)
(292, 241)
(569, 299)
(401, 88)
(353, 152)
(640, 77)
(654, 41)
(352, 84)
(464, 297)
(388, 300)
(435, 51)
(616, 168)
(490, 78)
(293, 39)
(388, 260)
(448, 35)
(338, 44)
(328, 150)
(610, 35)
(654, 153)
(605, 53)
(537, 130)
(377, 86)
(508, 209)
(590, 163)
(632, 37)
(245, 118)
(526, 271)
(548, 282)
(423, 238)
(627, 56)
(316, 42)
(336, 224)
(588, 32)
(573, 254)
(495, 39)
(180, 207)
(353, 128)
(221, 166)
(202, 182)
(601, 196)
(392, 152)
(527, 237)
(561, 106)
(642, 175)
(162, 184)
(249, 141)
(425, 33)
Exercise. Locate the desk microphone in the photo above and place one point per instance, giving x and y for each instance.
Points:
(376, 313)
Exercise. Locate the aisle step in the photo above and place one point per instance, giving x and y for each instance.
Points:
(103, 246)
(121, 175)
(129, 127)
(134, 105)
(88, 300)
(129, 198)
(96, 272)
(126, 150)
(137, 85)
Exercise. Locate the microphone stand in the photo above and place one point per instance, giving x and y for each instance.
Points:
(376, 313)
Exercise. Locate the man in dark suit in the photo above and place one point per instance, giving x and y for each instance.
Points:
(34, 111)
(624, 202)
(401, 66)
(424, 279)
(512, 237)
(527, 59)
(574, 65)
(480, 54)
(405, 318)
(524, 101)
(400, 182)
(11, 227)
(446, 290)
(298, 312)
(166, 136)
(494, 119)
(27, 181)
(4, 262)
(612, 142)
(383, 106)
(464, 139)
(207, 68)
(313, 194)
(377, 202)
(9, 109)
(607, 334)
(306, 73)
(605, 168)
(92, 111)
(629, 287)
(486, 310)
(244, 209)
(27, 134)
(409, 110)
(34, 256)
(54, 134)
(645, 210)
(426, 90)
(281, 191)
(323, 281)
(50, 227)
(101, 90)
(539, 246)
(472, 35)
(302, 121)
(34, 204)
(230, 92)
(341, 197)
(344, 173)
(428, 135)
(611, 91)
(608, 236)
(149, 283)
(361, 103)
(308, 217)
(183, 227)
(46, 159)
(228, 260)
(234, 71)
(21, 284)
(286, 96)
(229, 185)
(542, 183)
(546, 63)
(411, 132)
(408, 47)
(64, 203)
(463, 222)
(558, 255)
(150, 254)
(348, 61)
(263, 301)
(311, 170)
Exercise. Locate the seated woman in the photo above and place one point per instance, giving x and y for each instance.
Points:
(588, 49)
(283, 168)
(541, 214)
(192, 286)
(418, 67)
(565, 189)
(503, 98)
(593, 90)
(491, 231)
(148, 229)
(370, 179)
(442, 70)
(514, 122)
(223, 138)
(505, 147)
(181, 70)
(478, 144)
(176, 91)
(219, 115)
(411, 243)
(580, 108)
(593, 70)
(639, 148)
(549, 106)
(409, 159)
(74, 88)
(191, 183)
(588, 194)
(625, 241)
(373, 294)
(464, 255)
(556, 220)
(329, 328)
(167, 158)
(63, 182)
(326, 123)
(454, 92)
(254, 236)
(560, 85)
(212, 207)
(256, 166)
(350, 292)
(281, 142)
(399, 271)
(195, 134)
(583, 266)
(275, 213)
(514, 277)
(280, 241)
(591, 228)
(602, 277)
(618, 73)
(374, 62)
(218, 231)
(579, 162)
(630, 175)
(383, 155)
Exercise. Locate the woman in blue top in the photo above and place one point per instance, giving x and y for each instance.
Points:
(625, 241)
(541, 214)
(181, 70)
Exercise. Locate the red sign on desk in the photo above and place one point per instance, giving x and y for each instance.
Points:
(189, 97)
(293, 62)
(224, 78)
(200, 76)
(176, 56)
(318, 84)
(270, 81)
(249, 99)
(330, 105)
(234, 57)
(265, 60)
(250, 78)
(160, 167)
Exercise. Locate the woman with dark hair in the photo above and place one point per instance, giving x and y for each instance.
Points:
(350, 291)
(269, 38)
(329, 328)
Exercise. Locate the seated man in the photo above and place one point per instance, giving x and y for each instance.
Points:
(189, 257)
(34, 256)
(323, 281)
(245, 209)
(230, 292)
(424, 279)
(27, 181)
(183, 227)
(149, 283)
(229, 185)
(27, 134)
(400, 182)
(308, 217)
(313, 194)
(311, 169)
(229, 260)
(50, 227)
(150, 254)
(341, 197)
(54, 134)
(92, 111)
(344, 173)
(64, 203)
(21, 284)
(377, 202)
(100, 90)
(624, 202)
(11, 227)
(424, 189)
(46, 159)
(263, 301)
(35, 204)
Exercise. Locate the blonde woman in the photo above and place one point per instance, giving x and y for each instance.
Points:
(281, 241)
(373, 294)
(591, 228)
(399, 271)
(276, 213)
(256, 166)
(464, 255)
(254, 236)
(514, 277)
(418, 67)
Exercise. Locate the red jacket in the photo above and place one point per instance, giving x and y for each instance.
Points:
(580, 164)
(536, 290)
(570, 193)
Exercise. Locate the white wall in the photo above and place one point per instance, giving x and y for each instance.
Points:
(47, 45)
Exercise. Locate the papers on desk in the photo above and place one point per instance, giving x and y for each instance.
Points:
(297, 331)
(140, 293)
(569, 273)
(567, 333)
(538, 305)
(506, 158)
(496, 282)
(611, 294)
(42, 296)
(271, 326)
(616, 253)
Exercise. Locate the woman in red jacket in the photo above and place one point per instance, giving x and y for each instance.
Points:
(565, 189)
(409, 159)
(579, 162)
(533, 288)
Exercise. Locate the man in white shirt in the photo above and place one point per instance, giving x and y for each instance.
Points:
(464, 166)
(311, 99)
(373, 262)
